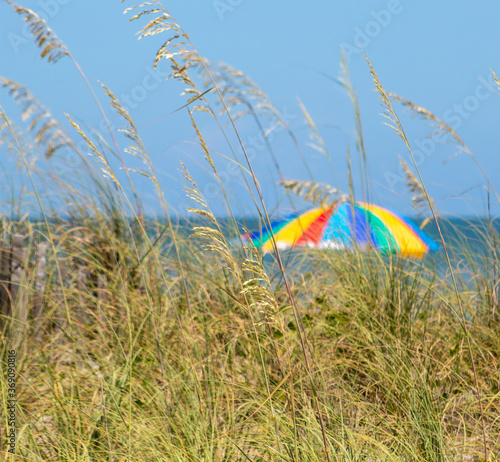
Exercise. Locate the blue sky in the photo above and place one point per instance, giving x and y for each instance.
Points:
(437, 54)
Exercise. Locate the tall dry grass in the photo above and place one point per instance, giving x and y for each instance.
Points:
(161, 339)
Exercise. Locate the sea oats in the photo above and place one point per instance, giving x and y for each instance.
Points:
(320, 194)
(47, 131)
(52, 47)
(418, 195)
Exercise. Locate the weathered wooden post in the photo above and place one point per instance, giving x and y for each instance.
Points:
(40, 277)
(19, 285)
(5, 274)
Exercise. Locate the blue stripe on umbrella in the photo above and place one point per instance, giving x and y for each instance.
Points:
(337, 230)
(363, 233)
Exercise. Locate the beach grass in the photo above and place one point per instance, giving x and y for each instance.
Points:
(162, 340)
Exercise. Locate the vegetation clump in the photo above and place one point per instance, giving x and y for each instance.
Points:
(167, 339)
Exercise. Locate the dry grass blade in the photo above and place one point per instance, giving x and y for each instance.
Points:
(395, 124)
(48, 133)
(194, 194)
(180, 72)
(204, 146)
(418, 194)
(10, 134)
(242, 95)
(345, 81)
(106, 168)
(316, 140)
(212, 236)
(161, 22)
(317, 193)
(389, 112)
(441, 128)
(137, 148)
(176, 49)
(440, 125)
(257, 289)
(495, 78)
(52, 47)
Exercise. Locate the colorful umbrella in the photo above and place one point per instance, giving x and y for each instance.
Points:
(346, 225)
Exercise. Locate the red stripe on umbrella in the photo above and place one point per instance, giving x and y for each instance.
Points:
(314, 233)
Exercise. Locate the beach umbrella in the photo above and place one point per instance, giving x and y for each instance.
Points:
(346, 225)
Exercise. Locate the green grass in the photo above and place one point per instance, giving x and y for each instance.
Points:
(181, 347)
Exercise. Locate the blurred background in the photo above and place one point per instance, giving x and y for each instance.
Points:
(438, 55)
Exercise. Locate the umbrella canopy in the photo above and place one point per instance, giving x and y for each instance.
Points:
(346, 225)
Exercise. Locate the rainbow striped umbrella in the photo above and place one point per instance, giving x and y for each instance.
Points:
(346, 225)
